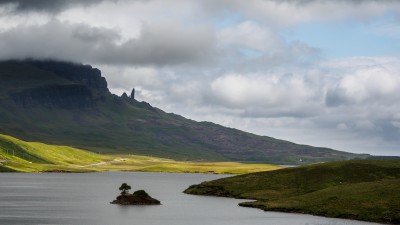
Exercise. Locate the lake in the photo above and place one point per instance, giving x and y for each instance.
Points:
(83, 199)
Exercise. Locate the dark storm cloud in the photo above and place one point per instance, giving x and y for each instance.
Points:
(162, 44)
(157, 45)
(46, 5)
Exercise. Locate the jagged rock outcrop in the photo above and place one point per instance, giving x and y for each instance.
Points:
(124, 96)
(133, 93)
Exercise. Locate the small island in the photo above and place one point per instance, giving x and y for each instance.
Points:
(139, 197)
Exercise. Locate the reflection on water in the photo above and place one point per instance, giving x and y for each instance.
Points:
(83, 199)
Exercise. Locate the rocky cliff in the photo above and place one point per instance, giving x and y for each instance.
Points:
(68, 85)
(77, 73)
(70, 96)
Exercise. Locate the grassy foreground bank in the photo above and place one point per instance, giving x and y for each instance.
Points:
(362, 190)
(21, 156)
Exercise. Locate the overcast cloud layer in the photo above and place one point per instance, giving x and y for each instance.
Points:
(317, 72)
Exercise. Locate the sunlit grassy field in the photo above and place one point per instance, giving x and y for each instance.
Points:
(18, 155)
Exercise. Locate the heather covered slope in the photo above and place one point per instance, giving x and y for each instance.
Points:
(363, 190)
(69, 104)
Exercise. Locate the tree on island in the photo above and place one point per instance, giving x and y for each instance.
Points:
(124, 188)
(139, 197)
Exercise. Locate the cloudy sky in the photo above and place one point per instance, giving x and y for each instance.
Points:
(318, 72)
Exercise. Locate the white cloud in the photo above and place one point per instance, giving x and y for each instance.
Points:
(261, 90)
(128, 16)
(126, 78)
(248, 34)
(8, 20)
(367, 84)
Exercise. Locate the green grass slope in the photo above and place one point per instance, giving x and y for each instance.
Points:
(20, 156)
(362, 190)
(34, 157)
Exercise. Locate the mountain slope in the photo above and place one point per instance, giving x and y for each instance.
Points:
(69, 104)
(363, 190)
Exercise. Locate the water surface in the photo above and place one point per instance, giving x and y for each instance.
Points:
(83, 199)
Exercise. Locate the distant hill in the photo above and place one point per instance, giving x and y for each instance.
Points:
(363, 190)
(69, 104)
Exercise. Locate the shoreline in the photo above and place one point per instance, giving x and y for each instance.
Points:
(112, 171)
(304, 212)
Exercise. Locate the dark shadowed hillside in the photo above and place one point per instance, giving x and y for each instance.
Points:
(69, 104)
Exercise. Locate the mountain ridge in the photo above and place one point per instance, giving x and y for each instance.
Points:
(70, 104)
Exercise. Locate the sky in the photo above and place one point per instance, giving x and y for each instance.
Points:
(318, 72)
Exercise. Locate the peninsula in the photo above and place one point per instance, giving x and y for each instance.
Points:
(362, 190)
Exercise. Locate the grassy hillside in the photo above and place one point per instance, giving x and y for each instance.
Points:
(17, 155)
(69, 104)
(362, 190)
